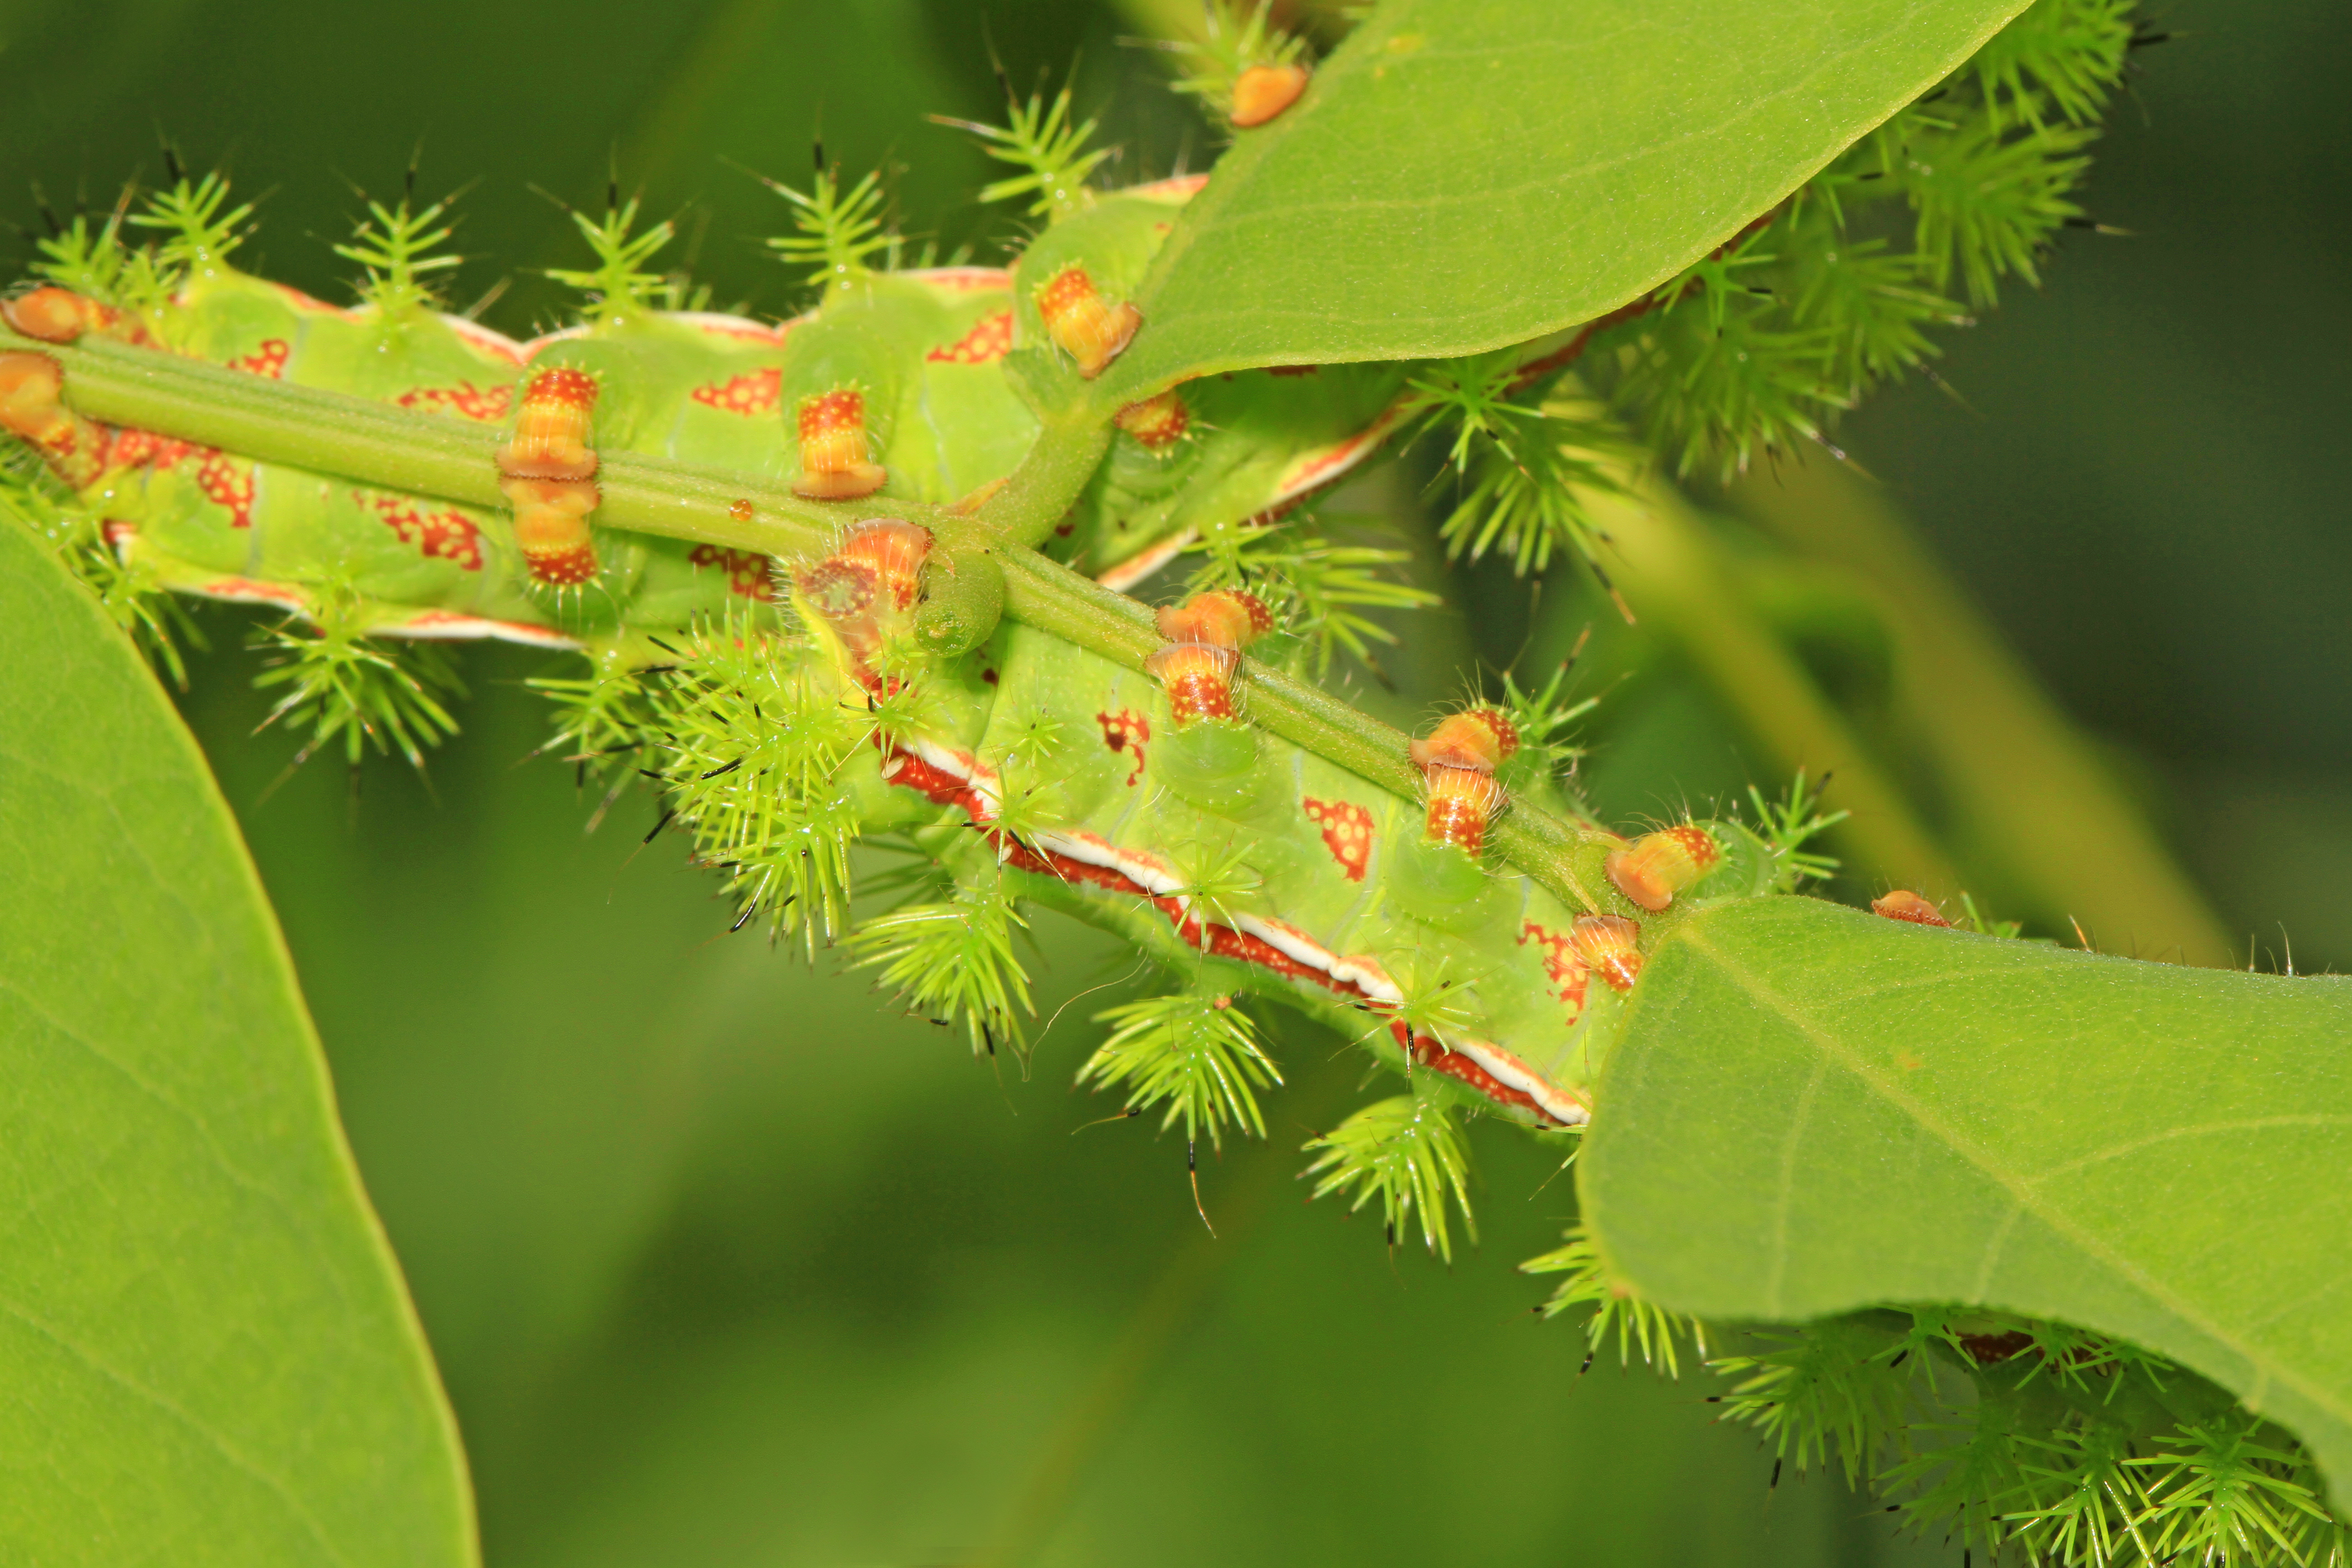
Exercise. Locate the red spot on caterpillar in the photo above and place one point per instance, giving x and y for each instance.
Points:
(751, 395)
(144, 449)
(551, 525)
(1156, 423)
(835, 464)
(1262, 92)
(1903, 904)
(227, 482)
(268, 360)
(437, 535)
(550, 434)
(1347, 833)
(1605, 945)
(1126, 730)
(1433, 1053)
(1081, 324)
(1562, 966)
(990, 340)
(1659, 864)
(747, 577)
(487, 403)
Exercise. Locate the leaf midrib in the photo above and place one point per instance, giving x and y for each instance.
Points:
(2022, 1192)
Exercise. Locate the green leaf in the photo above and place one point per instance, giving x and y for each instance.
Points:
(1813, 1109)
(206, 1354)
(1467, 174)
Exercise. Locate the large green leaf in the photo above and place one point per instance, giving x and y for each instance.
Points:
(1467, 174)
(1813, 1109)
(206, 1354)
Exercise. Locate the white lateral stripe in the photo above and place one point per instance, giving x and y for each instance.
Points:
(1156, 878)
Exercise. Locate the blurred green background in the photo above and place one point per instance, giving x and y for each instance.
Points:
(726, 1263)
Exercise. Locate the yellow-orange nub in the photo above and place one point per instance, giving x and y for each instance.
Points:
(551, 525)
(550, 434)
(1478, 738)
(835, 464)
(1462, 801)
(1198, 678)
(1081, 324)
(53, 315)
(893, 551)
(1262, 92)
(30, 387)
(1903, 904)
(1156, 423)
(1605, 944)
(1223, 617)
(1659, 864)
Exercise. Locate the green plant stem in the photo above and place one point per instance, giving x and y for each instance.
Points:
(2026, 790)
(1036, 496)
(1667, 568)
(378, 444)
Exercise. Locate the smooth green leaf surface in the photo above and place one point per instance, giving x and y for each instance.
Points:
(1814, 1109)
(206, 1354)
(1467, 174)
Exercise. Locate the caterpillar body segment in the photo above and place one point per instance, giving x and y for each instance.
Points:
(873, 688)
(1100, 829)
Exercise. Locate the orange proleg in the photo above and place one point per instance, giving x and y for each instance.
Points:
(1081, 323)
(1903, 904)
(1462, 802)
(55, 315)
(835, 464)
(1478, 738)
(550, 434)
(1198, 678)
(31, 388)
(1659, 864)
(1156, 423)
(1261, 92)
(1604, 944)
(1222, 618)
(551, 525)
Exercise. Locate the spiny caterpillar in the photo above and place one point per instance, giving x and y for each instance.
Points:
(870, 687)
(881, 683)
